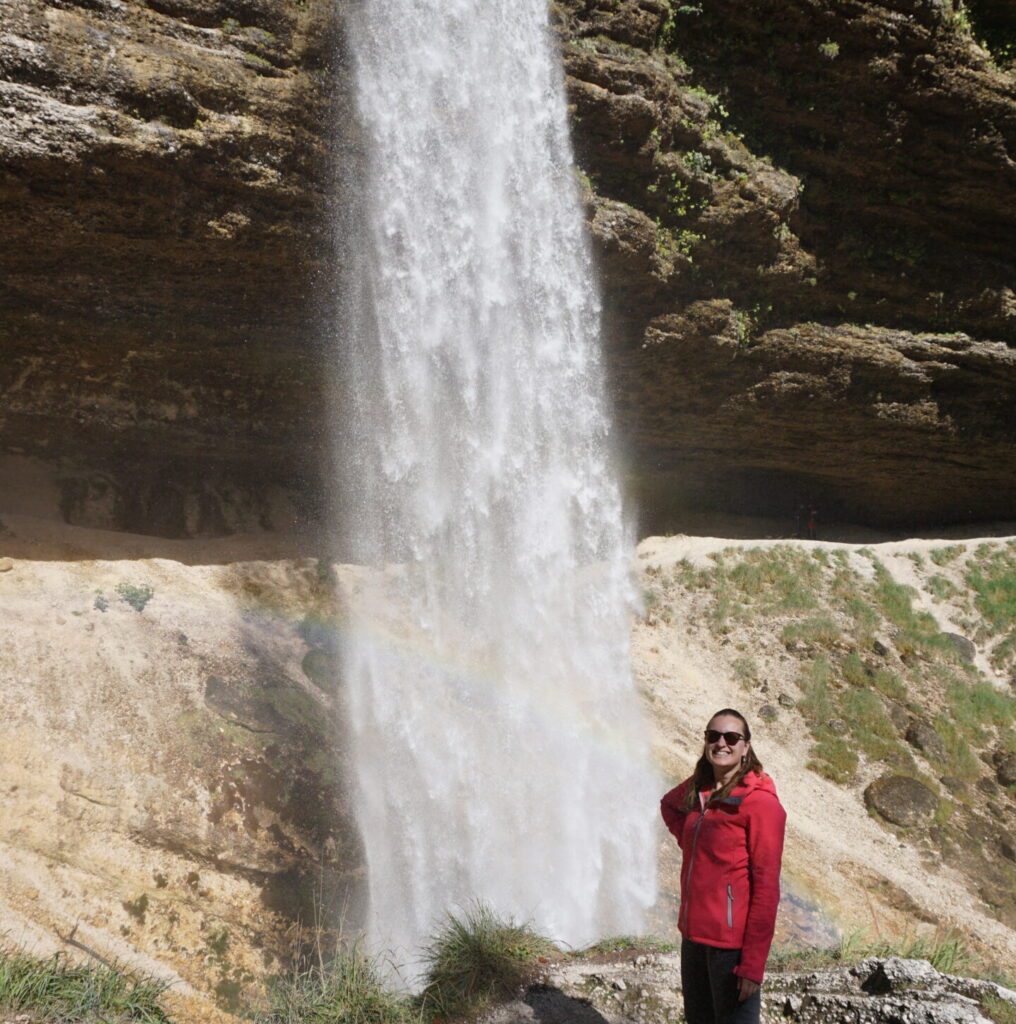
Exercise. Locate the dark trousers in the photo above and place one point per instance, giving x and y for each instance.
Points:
(710, 986)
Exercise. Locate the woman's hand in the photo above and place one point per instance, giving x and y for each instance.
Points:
(746, 988)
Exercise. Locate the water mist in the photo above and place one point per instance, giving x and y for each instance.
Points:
(498, 748)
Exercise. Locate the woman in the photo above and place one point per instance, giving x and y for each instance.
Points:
(729, 825)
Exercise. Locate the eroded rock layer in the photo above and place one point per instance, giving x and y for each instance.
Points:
(801, 211)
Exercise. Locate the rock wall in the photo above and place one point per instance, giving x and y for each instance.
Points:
(165, 181)
(174, 790)
(801, 213)
(807, 267)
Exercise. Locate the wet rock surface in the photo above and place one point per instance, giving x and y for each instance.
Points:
(165, 172)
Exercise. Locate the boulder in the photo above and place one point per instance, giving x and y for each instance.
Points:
(768, 713)
(922, 736)
(1007, 770)
(901, 800)
(965, 648)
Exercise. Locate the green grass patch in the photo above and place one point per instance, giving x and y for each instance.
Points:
(56, 989)
(946, 950)
(817, 703)
(871, 726)
(136, 596)
(477, 957)
(943, 556)
(833, 757)
(918, 634)
(977, 704)
(862, 615)
(818, 631)
(854, 670)
(745, 671)
(351, 988)
(1004, 652)
(626, 943)
(889, 683)
(997, 1009)
(963, 762)
(940, 588)
(991, 573)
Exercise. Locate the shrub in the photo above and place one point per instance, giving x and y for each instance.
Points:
(477, 957)
(136, 597)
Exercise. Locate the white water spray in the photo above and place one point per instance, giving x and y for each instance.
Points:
(498, 749)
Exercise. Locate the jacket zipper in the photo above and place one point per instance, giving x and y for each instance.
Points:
(730, 905)
(691, 859)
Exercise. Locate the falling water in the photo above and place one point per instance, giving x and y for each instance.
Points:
(498, 747)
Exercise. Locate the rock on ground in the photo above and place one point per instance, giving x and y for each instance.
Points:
(644, 988)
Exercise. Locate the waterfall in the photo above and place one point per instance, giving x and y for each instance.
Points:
(498, 748)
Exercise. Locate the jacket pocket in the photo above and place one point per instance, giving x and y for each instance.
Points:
(730, 905)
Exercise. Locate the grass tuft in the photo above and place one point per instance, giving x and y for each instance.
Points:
(57, 989)
(478, 956)
(624, 943)
(946, 950)
(998, 1010)
(349, 989)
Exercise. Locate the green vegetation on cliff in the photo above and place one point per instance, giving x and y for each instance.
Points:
(57, 989)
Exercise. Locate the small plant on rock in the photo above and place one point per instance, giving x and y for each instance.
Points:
(136, 597)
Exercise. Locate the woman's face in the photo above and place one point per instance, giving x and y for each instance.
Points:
(725, 757)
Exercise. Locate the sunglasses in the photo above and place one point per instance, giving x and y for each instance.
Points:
(712, 736)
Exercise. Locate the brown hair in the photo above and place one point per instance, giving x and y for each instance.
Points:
(703, 777)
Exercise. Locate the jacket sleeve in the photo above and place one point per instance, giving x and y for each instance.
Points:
(670, 808)
(766, 824)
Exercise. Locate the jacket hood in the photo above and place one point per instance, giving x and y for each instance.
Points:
(753, 782)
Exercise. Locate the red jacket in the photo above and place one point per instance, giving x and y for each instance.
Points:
(730, 870)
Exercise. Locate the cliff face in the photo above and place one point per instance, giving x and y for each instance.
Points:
(801, 212)
(174, 787)
(164, 181)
